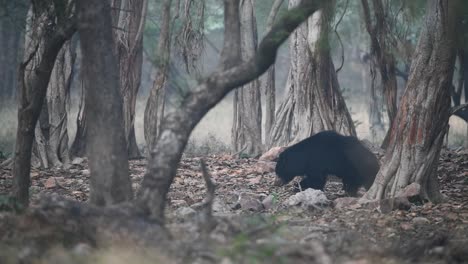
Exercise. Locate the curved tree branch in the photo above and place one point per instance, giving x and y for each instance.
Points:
(179, 123)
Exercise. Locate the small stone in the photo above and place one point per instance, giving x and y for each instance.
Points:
(345, 202)
(82, 249)
(185, 211)
(219, 206)
(420, 220)
(437, 251)
(406, 226)
(309, 197)
(85, 172)
(268, 202)
(77, 161)
(179, 203)
(249, 202)
(50, 183)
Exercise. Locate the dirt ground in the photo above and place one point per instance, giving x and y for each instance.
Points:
(254, 225)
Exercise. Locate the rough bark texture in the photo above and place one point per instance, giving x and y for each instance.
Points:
(314, 102)
(106, 144)
(12, 21)
(382, 56)
(422, 120)
(247, 124)
(154, 110)
(51, 134)
(179, 123)
(129, 48)
(45, 36)
(268, 80)
(78, 147)
(189, 40)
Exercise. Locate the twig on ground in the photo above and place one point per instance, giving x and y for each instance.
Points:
(207, 222)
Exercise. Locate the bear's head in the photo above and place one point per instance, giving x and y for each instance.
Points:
(284, 170)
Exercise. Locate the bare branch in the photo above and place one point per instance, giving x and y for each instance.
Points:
(207, 222)
(178, 124)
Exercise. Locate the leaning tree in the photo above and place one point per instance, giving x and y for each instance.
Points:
(179, 123)
(50, 25)
(417, 133)
(155, 105)
(314, 101)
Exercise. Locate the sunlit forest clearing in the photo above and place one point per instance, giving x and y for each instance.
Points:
(233, 131)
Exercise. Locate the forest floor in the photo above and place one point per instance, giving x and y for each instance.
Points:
(254, 223)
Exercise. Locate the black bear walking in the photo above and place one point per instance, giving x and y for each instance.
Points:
(328, 153)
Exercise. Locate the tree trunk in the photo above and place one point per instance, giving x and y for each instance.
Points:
(106, 144)
(247, 123)
(128, 37)
(418, 131)
(314, 102)
(51, 134)
(43, 44)
(189, 40)
(268, 81)
(78, 147)
(382, 56)
(179, 123)
(154, 110)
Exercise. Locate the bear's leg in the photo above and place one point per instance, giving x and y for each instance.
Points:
(350, 186)
(316, 182)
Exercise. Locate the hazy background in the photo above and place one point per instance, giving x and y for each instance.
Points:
(215, 128)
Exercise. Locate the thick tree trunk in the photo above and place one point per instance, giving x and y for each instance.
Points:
(418, 131)
(247, 123)
(314, 102)
(106, 144)
(382, 56)
(129, 45)
(51, 137)
(43, 44)
(179, 123)
(189, 40)
(268, 81)
(154, 111)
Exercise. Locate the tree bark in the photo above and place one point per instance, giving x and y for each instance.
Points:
(51, 134)
(106, 144)
(128, 37)
(268, 80)
(314, 102)
(45, 37)
(247, 123)
(179, 123)
(154, 110)
(78, 147)
(382, 56)
(417, 134)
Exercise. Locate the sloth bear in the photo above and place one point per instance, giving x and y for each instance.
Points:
(327, 153)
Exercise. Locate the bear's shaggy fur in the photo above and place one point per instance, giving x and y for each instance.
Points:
(328, 153)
